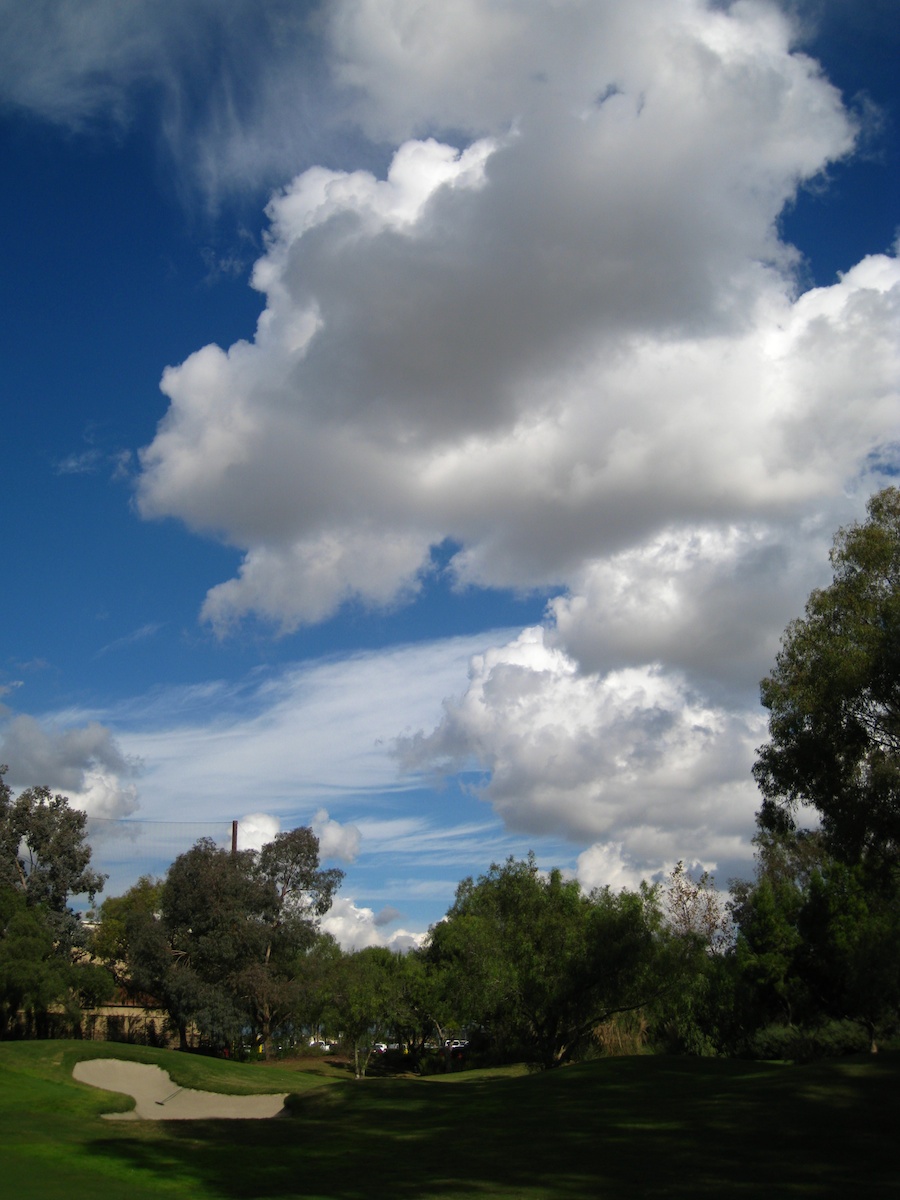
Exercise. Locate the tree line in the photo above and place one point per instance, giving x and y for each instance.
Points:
(801, 960)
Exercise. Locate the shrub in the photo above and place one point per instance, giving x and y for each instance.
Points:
(832, 1039)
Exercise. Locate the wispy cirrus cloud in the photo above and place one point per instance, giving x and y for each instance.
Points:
(141, 634)
(217, 78)
(83, 462)
(307, 739)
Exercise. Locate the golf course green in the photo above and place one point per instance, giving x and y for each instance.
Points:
(620, 1127)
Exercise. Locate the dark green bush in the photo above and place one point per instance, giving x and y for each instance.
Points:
(832, 1039)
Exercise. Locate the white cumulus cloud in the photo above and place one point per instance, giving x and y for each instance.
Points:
(256, 830)
(543, 314)
(605, 864)
(355, 927)
(551, 344)
(335, 840)
(82, 761)
(631, 757)
(561, 332)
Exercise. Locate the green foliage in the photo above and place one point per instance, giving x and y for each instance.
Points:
(834, 699)
(792, 1043)
(693, 1014)
(110, 938)
(290, 864)
(271, 986)
(182, 955)
(44, 858)
(36, 974)
(850, 939)
(365, 999)
(697, 1016)
(44, 853)
(313, 972)
(216, 909)
(538, 964)
(817, 943)
(820, 929)
(32, 975)
(220, 942)
(767, 947)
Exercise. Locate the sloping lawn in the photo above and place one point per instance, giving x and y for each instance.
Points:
(639, 1127)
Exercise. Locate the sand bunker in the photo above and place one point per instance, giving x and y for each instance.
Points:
(157, 1098)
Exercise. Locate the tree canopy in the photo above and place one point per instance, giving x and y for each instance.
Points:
(540, 963)
(44, 859)
(221, 947)
(834, 699)
(43, 848)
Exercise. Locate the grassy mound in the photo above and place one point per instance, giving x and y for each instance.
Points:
(641, 1127)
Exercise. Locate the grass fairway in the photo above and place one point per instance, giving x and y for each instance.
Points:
(620, 1128)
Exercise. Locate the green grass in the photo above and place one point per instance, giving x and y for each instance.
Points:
(619, 1128)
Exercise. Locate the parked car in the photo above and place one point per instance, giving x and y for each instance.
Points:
(456, 1047)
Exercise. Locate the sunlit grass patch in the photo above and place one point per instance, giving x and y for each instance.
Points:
(618, 1128)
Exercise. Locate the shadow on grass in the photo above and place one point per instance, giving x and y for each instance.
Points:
(622, 1128)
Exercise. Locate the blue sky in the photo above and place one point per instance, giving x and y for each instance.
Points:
(422, 420)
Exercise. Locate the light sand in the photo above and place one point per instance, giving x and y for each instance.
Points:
(157, 1098)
